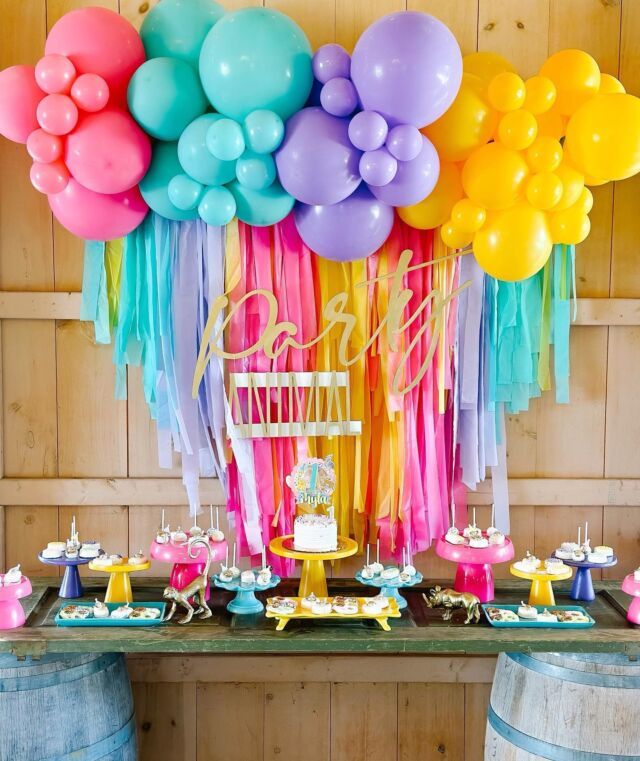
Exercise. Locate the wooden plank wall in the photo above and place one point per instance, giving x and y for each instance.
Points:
(60, 420)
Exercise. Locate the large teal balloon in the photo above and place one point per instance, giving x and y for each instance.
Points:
(154, 185)
(164, 96)
(256, 58)
(197, 160)
(261, 207)
(177, 28)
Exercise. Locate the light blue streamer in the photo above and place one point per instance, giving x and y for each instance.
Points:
(94, 306)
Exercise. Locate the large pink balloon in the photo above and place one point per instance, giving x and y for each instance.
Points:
(108, 152)
(99, 41)
(98, 216)
(19, 98)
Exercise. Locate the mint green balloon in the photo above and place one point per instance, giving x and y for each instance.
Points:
(256, 58)
(154, 186)
(261, 207)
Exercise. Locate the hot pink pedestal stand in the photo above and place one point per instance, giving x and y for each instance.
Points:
(11, 612)
(186, 568)
(632, 587)
(474, 573)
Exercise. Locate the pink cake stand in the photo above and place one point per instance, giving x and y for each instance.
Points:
(186, 568)
(474, 573)
(11, 612)
(632, 587)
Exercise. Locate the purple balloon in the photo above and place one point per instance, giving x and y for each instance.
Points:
(346, 231)
(408, 67)
(330, 61)
(414, 180)
(404, 142)
(316, 162)
(339, 97)
(378, 167)
(368, 131)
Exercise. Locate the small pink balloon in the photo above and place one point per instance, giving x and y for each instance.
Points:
(55, 73)
(43, 147)
(19, 98)
(57, 114)
(49, 178)
(90, 92)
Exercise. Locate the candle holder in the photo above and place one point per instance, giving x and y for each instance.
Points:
(390, 587)
(11, 610)
(632, 587)
(245, 600)
(70, 586)
(541, 592)
(119, 587)
(582, 587)
(474, 573)
(186, 568)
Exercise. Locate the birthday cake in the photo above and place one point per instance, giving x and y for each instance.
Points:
(315, 528)
(315, 533)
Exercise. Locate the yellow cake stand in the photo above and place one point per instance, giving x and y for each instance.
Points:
(541, 592)
(391, 611)
(313, 578)
(119, 587)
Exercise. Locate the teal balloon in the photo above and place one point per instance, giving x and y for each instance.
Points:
(217, 207)
(225, 140)
(184, 192)
(261, 207)
(255, 171)
(164, 96)
(154, 186)
(177, 28)
(256, 58)
(263, 131)
(196, 159)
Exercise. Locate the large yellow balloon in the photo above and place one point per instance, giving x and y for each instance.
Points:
(551, 124)
(603, 137)
(570, 226)
(435, 209)
(576, 76)
(494, 176)
(469, 123)
(572, 185)
(609, 84)
(517, 129)
(544, 190)
(514, 244)
(540, 94)
(506, 92)
(544, 155)
(485, 65)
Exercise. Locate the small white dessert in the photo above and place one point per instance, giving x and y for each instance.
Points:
(604, 549)
(453, 536)
(102, 561)
(225, 574)
(147, 613)
(377, 568)
(281, 605)
(527, 612)
(554, 566)
(563, 554)
(371, 607)
(390, 573)
(636, 574)
(179, 536)
(163, 537)
(548, 618)
(528, 564)
(196, 531)
(75, 612)
(569, 546)
(578, 555)
(264, 576)
(497, 538)
(410, 570)
(234, 571)
(59, 546)
(466, 531)
(309, 601)
(597, 557)
(321, 608)
(13, 575)
(382, 601)
(404, 577)
(492, 530)
(90, 549)
(586, 547)
(474, 533)
(346, 608)
(123, 612)
(138, 559)
(116, 559)
(100, 610)
(71, 552)
(367, 572)
(215, 535)
(51, 554)
(478, 542)
(247, 578)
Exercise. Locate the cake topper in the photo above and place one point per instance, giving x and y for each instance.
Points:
(313, 481)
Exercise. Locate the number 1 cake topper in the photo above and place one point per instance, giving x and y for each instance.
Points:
(313, 481)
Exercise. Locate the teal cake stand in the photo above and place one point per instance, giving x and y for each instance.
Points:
(245, 601)
(391, 587)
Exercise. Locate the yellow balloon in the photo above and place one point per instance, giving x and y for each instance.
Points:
(435, 209)
(485, 65)
(585, 201)
(570, 226)
(603, 137)
(469, 123)
(576, 76)
(544, 190)
(551, 124)
(494, 176)
(468, 216)
(518, 129)
(572, 185)
(454, 237)
(514, 244)
(506, 91)
(540, 94)
(609, 85)
(544, 155)
(593, 182)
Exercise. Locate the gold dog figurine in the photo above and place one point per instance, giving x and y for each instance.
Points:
(196, 589)
(450, 599)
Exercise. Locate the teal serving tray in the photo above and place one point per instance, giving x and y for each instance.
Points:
(113, 621)
(538, 624)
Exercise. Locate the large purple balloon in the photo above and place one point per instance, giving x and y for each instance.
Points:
(316, 162)
(414, 180)
(408, 67)
(346, 231)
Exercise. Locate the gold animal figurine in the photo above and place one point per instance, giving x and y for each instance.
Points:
(196, 589)
(450, 599)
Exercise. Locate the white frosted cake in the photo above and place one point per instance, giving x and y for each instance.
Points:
(315, 533)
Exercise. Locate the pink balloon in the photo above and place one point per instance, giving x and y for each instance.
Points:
(43, 147)
(90, 92)
(108, 152)
(99, 41)
(98, 216)
(57, 114)
(19, 98)
(55, 73)
(49, 178)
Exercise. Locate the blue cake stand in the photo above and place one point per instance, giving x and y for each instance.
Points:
(245, 600)
(582, 587)
(390, 587)
(70, 586)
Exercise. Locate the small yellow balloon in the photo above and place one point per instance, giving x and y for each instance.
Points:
(551, 124)
(485, 65)
(570, 226)
(514, 244)
(585, 201)
(435, 209)
(544, 155)
(493, 176)
(454, 237)
(468, 216)
(544, 190)
(572, 185)
(540, 94)
(609, 85)
(518, 129)
(506, 91)
(576, 76)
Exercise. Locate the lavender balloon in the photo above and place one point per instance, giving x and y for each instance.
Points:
(408, 67)
(404, 142)
(368, 131)
(331, 61)
(378, 167)
(346, 231)
(414, 180)
(339, 97)
(316, 162)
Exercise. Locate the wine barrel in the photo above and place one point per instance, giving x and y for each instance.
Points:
(564, 707)
(66, 708)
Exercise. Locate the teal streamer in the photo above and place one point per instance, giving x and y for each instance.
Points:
(94, 306)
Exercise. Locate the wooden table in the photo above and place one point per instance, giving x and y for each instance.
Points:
(418, 631)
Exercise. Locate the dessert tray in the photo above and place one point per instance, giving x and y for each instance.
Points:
(245, 600)
(114, 621)
(524, 624)
(390, 587)
(119, 587)
(301, 613)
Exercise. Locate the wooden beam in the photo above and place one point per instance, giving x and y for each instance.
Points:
(564, 491)
(608, 312)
